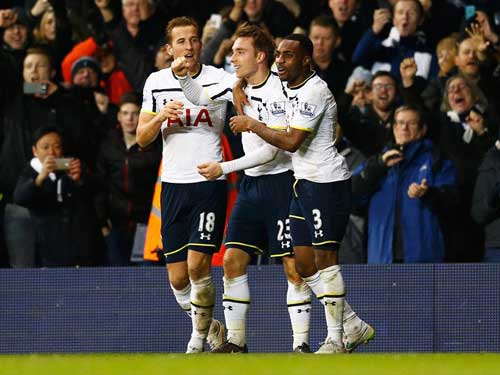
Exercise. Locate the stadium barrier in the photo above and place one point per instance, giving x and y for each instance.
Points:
(414, 308)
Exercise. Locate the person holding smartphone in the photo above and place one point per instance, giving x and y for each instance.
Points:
(55, 191)
(22, 113)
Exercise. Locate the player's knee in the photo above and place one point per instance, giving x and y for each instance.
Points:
(179, 282)
(326, 258)
(235, 263)
(305, 270)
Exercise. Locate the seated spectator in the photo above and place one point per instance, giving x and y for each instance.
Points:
(406, 188)
(376, 52)
(57, 195)
(486, 202)
(326, 38)
(128, 174)
(368, 125)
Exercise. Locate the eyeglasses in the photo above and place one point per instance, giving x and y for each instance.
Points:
(458, 87)
(410, 124)
(380, 86)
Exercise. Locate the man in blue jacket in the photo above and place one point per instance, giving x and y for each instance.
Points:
(406, 188)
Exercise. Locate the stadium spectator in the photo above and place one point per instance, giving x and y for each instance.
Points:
(486, 202)
(472, 64)
(326, 38)
(16, 29)
(468, 130)
(42, 103)
(368, 126)
(377, 51)
(58, 197)
(52, 30)
(112, 78)
(99, 115)
(135, 39)
(350, 17)
(269, 14)
(128, 173)
(406, 187)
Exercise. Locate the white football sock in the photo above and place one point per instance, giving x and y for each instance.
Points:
(333, 301)
(298, 299)
(316, 284)
(351, 321)
(202, 306)
(236, 301)
(183, 298)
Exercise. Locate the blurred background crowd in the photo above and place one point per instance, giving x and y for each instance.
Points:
(76, 189)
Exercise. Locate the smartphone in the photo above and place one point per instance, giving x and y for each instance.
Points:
(31, 88)
(62, 164)
(216, 19)
(470, 12)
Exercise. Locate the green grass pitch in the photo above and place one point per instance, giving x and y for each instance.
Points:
(254, 364)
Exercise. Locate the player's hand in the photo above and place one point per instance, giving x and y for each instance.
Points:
(381, 17)
(75, 169)
(180, 66)
(418, 190)
(392, 157)
(408, 70)
(171, 110)
(240, 124)
(211, 170)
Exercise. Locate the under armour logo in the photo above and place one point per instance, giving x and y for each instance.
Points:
(230, 308)
(260, 114)
(318, 233)
(285, 244)
(204, 236)
(333, 303)
(165, 101)
(300, 311)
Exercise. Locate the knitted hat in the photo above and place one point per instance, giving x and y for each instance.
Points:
(85, 62)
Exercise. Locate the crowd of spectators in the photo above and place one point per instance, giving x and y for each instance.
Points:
(417, 90)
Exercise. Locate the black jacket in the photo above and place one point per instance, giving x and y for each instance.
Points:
(21, 118)
(486, 198)
(128, 178)
(66, 231)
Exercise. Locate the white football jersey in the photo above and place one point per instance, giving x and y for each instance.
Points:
(267, 105)
(196, 136)
(311, 107)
